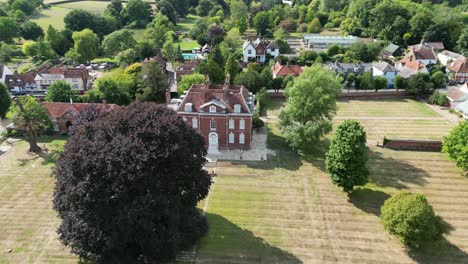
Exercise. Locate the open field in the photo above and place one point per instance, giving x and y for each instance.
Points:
(27, 222)
(286, 210)
(186, 24)
(188, 45)
(54, 16)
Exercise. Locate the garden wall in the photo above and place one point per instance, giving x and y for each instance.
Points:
(424, 145)
(357, 95)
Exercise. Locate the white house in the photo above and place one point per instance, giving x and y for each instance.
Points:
(446, 56)
(4, 71)
(386, 70)
(257, 50)
(77, 78)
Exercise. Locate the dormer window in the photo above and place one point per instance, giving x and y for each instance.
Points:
(237, 108)
(356, 69)
(212, 109)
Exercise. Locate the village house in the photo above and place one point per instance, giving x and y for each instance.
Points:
(77, 78)
(63, 114)
(445, 57)
(386, 70)
(462, 108)
(347, 68)
(4, 71)
(457, 95)
(186, 68)
(279, 70)
(391, 51)
(222, 114)
(457, 70)
(406, 67)
(21, 83)
(258, 50)
(432, 46)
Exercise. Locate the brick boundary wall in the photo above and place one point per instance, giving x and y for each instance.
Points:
(73, 1)
(420, 145)
(357, 95)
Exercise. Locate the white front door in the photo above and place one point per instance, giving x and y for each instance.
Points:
(213, 143)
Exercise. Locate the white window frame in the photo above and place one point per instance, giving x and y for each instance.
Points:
(194, 122)
(231, 124)
(213, 125)
(241, 138)
(231, 138)
(242, 124)
(237, 108)
(212, 109)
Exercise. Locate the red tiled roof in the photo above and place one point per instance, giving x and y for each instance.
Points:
(286, 70)
(414, 65)
(458, 66)
(57, 110)
(20, 79)
(199, 94)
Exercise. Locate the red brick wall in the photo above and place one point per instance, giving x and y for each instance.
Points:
(222, 129)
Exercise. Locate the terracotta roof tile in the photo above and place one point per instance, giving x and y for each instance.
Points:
(57, 110)
(286, 70)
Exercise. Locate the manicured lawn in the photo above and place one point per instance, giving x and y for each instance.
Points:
(28, 223)
(186, 24)
(54, 16)
(286, 210)
(188, 45)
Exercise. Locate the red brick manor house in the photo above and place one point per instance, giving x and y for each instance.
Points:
(222, 114)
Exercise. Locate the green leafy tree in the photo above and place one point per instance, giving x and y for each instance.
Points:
(213, 70)
(250, 79)
(380, 83)
(31, 117)
(400, 82)
(133, 70)
(118, 41)
(262, 22)
(411, 218)
(111, 91)
(233, 39)
(60, 91)
(186, 81)
(167, 9)
(131, 194)
(420, 84)
(462, 43)
(456, 145)
(31, 31)
(138, 11)
(314, 26)
(153, 85)
(231, 67)
(5, 100)
(438, 79)
(311, 104)
(126, 57)
(86, 44)
(366, 81)
(347, 157)
(9, 29)
(350, 80)
(242, 25)
(204, 7)
(25, 6)
(333, 50)
(61, 41)
(239, 10)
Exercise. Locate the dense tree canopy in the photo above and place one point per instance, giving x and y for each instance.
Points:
(411, 218)
(186, 82)
(31, 117)
(60, 91)
(153, 85)
(311, 104)
(128, 185)
(86, 44)
(347, 157)
(118, 41)
(5, 100)
(9, 29)
(456, 145)
(31, 31)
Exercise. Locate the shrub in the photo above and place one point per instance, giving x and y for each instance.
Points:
(256, 121)
(438, 98)
(411, 218)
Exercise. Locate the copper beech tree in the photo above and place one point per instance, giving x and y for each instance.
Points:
(128, 184)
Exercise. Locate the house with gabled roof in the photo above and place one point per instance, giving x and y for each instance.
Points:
(63, 114)
(445, 57)
(384, 69)
(4, 71)
(457, 70)
(222, 114)
(257, 50)
(279, 70)
(391, 51)
(408, 67)
(78, 78)
(432, 46)
(21, 82)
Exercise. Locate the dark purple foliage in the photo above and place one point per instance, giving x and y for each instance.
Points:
(128, 184)
(89, 114)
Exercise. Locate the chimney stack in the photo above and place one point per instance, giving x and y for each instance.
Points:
(226, 87)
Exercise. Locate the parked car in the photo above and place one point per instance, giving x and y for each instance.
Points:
(18, 93)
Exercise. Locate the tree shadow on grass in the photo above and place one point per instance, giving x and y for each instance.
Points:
(441, 251)
(368, 200)
(390, 172)
(226, 242)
